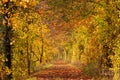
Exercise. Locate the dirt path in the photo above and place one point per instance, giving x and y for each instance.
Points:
(61, 71)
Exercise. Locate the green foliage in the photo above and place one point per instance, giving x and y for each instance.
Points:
(91, 70)
(116, 60)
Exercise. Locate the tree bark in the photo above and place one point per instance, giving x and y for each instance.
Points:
(28, 53)
(42, 46)
(7, 41)
(28, 57)
(42, 51)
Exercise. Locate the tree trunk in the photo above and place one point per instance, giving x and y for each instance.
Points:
(42, 51)
(74, 54)
(7, 37)
(28, 54)
(65, 54)
(42, 46)
(73, 60)
(28, 58)
(8, 53)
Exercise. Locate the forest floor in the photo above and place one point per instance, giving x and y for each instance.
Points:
(61, 70)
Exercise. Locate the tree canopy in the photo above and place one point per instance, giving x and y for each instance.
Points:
(37, 32)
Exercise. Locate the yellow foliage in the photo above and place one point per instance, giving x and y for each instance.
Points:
(7, 70)
(84, 59)
(37, 62)
(4, 1)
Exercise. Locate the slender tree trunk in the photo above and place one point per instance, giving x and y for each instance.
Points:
(8, 54)
(73, 60)
(74, 54)
(42, 51)
(28, 54)
(28, 58)
(65, 54)
(42, 46)
(7, 40)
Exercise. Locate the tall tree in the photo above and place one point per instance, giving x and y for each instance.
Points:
(7, 8)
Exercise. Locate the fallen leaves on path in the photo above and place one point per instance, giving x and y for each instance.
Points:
(61, 71)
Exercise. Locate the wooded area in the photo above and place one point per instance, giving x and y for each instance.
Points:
(84, 33)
